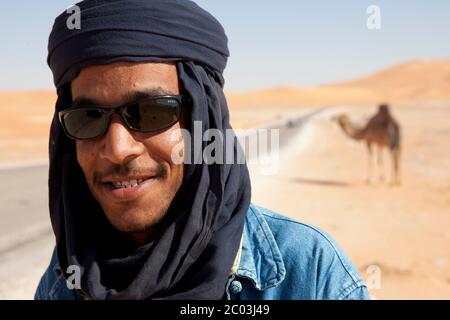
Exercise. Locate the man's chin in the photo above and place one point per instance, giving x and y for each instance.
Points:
(140, 232)
(135, 221)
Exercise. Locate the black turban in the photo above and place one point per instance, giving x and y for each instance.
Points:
(193, 257)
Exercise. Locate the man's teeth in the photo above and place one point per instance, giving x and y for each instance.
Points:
(127, 184)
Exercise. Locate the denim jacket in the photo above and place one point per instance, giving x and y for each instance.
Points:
(281, 259)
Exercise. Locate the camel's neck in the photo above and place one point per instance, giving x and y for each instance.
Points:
(351, 131)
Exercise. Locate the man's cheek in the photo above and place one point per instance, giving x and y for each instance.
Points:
(80, 156)
(85, 158)
(80, 152)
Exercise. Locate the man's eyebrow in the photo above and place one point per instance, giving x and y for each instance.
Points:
(142, 94)
(83, 101)
(129, 97)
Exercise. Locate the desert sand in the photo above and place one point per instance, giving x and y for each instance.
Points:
(399, 231)
(25, 119)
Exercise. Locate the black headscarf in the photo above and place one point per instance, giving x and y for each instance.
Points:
(193, 257)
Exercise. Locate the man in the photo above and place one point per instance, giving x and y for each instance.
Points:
(135, 222)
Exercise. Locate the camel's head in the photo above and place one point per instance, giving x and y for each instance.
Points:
(341, 119)
(383, 109)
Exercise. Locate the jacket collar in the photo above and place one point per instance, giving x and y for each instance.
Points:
(261, 260)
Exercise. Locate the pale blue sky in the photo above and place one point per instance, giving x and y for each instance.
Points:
(272, 43)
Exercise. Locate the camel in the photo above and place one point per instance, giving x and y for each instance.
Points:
(381, 131)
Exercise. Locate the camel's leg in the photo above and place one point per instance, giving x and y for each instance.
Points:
(370, 163)
(396, 166)
(380, 163)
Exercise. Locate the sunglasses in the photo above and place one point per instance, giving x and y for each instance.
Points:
(146, 115)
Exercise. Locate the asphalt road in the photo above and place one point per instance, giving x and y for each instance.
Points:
(26, 238)
(23, 205)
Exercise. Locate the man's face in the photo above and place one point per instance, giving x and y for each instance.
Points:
(122, 155)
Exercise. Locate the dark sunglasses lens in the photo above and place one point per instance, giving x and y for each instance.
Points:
(85, 123)
(152, 115)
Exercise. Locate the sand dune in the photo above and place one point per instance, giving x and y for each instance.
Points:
(24, 114)
(410, 82)
(419, 80)
(25, 118)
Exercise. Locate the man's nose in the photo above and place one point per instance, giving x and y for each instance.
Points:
(119, 145)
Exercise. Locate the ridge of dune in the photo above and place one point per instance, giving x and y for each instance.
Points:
(422, 79)
(414, 81)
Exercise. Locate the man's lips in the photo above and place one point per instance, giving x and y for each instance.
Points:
(127, 188)
(122, 179)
